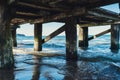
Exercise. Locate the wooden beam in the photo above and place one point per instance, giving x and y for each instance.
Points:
(71, 39)
(92, 24)
(76, 12)
(83, 37)
(38, 37)
(100, 34)
(57, 32)
(115, 37)
(26, 17)
(99, 3)
(100, 14)
(55, 2)
(40, 7)
(28, 14)
(51, 1)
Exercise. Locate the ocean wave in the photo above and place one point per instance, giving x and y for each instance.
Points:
(46, 45)
(53, 45)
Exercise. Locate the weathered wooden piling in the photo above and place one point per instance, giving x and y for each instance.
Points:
(6, 53)
(71, 39)
(115, 36)
(38, 37)
(14, 37)
(83, 37)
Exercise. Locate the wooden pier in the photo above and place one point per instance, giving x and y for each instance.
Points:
(85, 13)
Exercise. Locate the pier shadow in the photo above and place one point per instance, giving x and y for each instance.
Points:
(80, 71)
(83, 70)
(36, 70)
(70, 70)
(7, 74)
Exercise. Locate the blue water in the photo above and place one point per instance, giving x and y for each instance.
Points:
(28, 42)
(58, 42)
(95, 63)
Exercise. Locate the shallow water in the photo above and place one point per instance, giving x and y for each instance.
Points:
(31, 67)
(96, 63)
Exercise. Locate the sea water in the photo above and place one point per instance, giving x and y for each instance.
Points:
(95, 63)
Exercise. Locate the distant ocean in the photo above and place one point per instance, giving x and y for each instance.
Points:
(58, 43)
(28, 42)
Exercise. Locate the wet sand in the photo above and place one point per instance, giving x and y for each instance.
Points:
(50, 65)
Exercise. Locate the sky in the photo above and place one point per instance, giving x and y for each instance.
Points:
(28, 29)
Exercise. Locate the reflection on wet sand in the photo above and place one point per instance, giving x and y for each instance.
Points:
(29, 67)
(79, 70)
(36, 70)
(7, 74)
(70, 70)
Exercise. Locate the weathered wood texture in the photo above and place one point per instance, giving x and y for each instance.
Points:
(38, 37)
(6, 54)
(71, 39)
(37, 11)
(59, 16)
(57, 32)
(83, 37)
(100, 34)
(14, 37)
(115, 36)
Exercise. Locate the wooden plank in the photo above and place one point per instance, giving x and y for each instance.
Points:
(100, 34)
(38, 37)
(83, 37)
(41, 7)
(98, 14)
(71, 39)
(92, 24)
(28, 14)
(81, 3)
(115, 36)
(57, 32)
(76, 12)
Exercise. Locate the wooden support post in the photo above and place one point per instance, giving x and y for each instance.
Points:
(14, 37)
(115, 36)
(38, 37)
(83, 37)
(6, 53)
(71, 39)
(57, 32)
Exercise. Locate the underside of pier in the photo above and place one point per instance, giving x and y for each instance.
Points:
(86, 13)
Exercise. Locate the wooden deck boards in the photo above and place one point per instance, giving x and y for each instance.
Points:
(42, 11)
